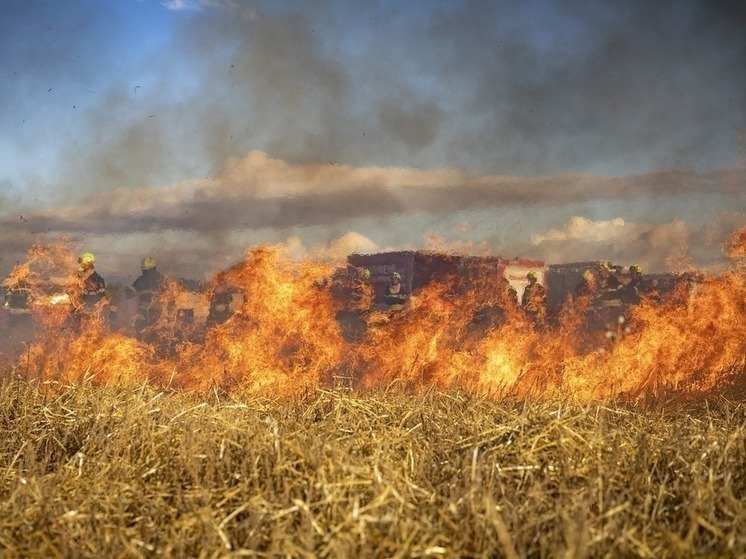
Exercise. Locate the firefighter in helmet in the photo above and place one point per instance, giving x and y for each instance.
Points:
(92, 285)
(608, 307)
(607, 281)
(362, 290)
(609, 293)
(146, 288)
(17, 301)
(354, 294)
(587, 285)
(395, 298)
(91, 291)
(533, 300)
(631, 291)
(221, 298)
(509, 293)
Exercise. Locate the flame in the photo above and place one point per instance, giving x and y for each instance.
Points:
(288, 334)
(735, 247)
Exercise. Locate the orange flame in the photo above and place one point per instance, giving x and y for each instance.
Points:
(735, 247)
(286, 336)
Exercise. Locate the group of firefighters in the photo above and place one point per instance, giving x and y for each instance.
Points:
(609, 297)
(605, 293)
(89, 290)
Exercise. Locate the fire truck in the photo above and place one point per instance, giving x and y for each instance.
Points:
(420, 268)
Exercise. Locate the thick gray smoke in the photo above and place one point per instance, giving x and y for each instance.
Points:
(493, 87)
(468, 101)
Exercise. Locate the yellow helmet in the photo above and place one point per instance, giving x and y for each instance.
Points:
(636, 268)
(365, 274)
(148, 263)
(87, 259)
(532, 275)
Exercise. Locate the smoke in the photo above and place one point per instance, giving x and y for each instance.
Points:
(259, 192)
(255, 120)
(617, 240)
(258, 197)
(653, 246)
(493, 87)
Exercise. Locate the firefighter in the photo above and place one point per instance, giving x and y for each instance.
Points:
(510, 295)
(496, 313)
(220, 302)
(92, 285)
(394, 297)
(609, 308)
(608, 283)
(18, 302)
(362, 291)
(355, 293)
(146, 288)
(587, 286)
(692, 289)
(609, 288)
(533, 300)
(631, 292)
(91, 291)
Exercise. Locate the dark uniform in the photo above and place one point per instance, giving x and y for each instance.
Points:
(18, 298)
(146, 288)
(18, 304)
(361, 295)
(630, 293)
(93, 288)
(353, 295)
(609, 295)
(394, 294)
(92, 292)
(534, 299)
(220, 302)
(608, 305)
(497, 313)
(509, 293)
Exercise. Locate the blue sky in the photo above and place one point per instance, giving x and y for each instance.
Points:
(108, 100)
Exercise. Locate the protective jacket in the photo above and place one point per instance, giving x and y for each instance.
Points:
(147, 286)
(394, 295)
(93, 288)
(533, 297)
(17, 300)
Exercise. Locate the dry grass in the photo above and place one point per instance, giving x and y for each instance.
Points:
(112, 472)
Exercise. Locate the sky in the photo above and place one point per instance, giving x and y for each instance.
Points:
(192, 130)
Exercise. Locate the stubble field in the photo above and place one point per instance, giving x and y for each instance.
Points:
(138, 472)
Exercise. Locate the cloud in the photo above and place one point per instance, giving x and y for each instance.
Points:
(350, 242)
(257, 192)
(335, 250)
(581, 229)
(653, 246)
(206, 223)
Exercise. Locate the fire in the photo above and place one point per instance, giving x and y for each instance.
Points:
(735, 247)
(287, 332)
(282, 339)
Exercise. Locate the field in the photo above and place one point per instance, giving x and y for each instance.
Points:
(432, 433)
(104, 471)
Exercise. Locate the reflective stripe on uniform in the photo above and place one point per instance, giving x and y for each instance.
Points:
(14, 310)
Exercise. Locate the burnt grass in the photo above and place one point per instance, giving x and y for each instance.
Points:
(139, 472)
